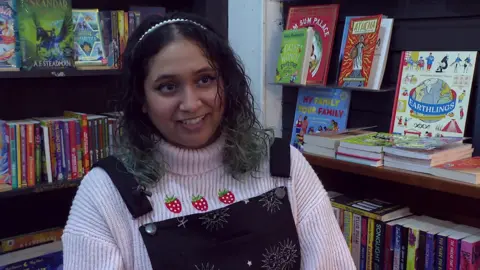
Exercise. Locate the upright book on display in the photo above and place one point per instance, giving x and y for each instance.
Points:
(323, 20)
(433, 93)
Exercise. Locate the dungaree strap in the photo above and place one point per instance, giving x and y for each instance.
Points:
(137, 201)
(130, 191)
(280, 158)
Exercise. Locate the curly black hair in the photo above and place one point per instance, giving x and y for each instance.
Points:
(246, 141)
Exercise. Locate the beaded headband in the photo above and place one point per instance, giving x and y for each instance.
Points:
(158, 25)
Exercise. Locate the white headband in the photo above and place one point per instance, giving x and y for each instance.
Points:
(170, 22)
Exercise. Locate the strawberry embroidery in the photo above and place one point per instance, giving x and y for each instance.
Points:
(199, 203)
(226, 196)
(173, 204)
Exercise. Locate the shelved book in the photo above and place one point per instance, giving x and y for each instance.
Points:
(9, 57)
(51, 35)
(359, 51)
(365, 149)
(423, 160)
(464, 170)
(54, 149)
(433, 93)
(293, 60)
(319, 111)
(323, 20)
(380, 55)
(46, 256)
(404, 241)
(326, 143)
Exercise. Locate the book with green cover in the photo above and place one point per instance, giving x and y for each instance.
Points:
(295, 50)
(46, 34)
(373, 142)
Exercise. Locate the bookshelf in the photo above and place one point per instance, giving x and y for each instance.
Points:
(398, 176)
(57, 73)
(424, 194)
(47, 93)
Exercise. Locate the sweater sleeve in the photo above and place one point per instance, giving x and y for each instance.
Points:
(321, 242)
(87, 240)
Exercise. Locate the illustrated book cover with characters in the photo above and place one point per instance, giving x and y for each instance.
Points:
(292, 66)
(88, 38)
(433, 93)
(359, 51)
(9, 56)
(319, 110)
(323, 20)
(46, 34)
(4, 153)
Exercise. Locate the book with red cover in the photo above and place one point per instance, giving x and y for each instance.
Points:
(359, 51)
(464, 170)
(323, 20)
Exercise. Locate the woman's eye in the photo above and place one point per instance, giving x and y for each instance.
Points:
(166, 88)
(205, 80)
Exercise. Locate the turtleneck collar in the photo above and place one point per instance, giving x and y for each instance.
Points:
(185, 161)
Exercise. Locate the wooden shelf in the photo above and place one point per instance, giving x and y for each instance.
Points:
(360, 89)
(56, 73)
(7, 192)
(399, 176)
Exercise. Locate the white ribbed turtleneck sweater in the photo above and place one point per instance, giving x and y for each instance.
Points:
(100, 233)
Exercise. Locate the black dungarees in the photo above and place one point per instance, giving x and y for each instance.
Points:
(260, 234)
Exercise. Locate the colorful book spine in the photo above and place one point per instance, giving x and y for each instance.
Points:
(347, 228)
(356, 239)
(397, 249)
(370, 241)
(13, 155)
(30, 154)
(378, 245)
(363, 249)
(38, 153)
(66, 149)
(441, 252)
(23, 153)
(430, 251)
(453, 251)
(413, 235)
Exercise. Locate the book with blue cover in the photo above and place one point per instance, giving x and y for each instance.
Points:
(319, 110)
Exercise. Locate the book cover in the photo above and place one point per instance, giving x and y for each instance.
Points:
(433, 93)
(46, 34)
(88, 40)
(9, 56)
(319, 111)
(323, 20)
(292, 61)
(359, 51)
(373, 139)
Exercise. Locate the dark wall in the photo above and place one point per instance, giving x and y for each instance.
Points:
(447, 25)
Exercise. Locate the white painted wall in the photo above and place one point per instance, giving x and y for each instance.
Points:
(254, 31)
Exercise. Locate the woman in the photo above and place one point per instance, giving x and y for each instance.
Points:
(191, 186)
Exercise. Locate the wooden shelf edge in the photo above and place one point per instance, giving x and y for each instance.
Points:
(399, 176)
(58, 73)
(4, 194)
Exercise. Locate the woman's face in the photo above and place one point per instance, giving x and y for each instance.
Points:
(181, 95)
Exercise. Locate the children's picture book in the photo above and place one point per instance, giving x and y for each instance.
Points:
(319, 110)
(293, 60)
(88, 38)
(9, 58)
(323, 20)
(359, 51)
(433, 93)
(46, 34)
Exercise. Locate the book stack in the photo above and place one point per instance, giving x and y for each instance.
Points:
(381, 235)
(422, 160)
(465, 170)
(326, 143)
(365, 149)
